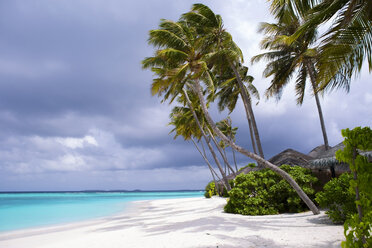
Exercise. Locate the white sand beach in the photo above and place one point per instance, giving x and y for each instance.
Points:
(193, 222)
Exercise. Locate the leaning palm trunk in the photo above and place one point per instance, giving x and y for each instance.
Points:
(224, 178)
(248, 109)
(214, 174)
(260, 160)
(233, 152)
(312, 73)
(251, 131)
(221, 152)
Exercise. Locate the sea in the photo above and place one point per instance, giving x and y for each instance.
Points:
(20, 210)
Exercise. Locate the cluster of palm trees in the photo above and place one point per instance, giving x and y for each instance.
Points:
(196, 62)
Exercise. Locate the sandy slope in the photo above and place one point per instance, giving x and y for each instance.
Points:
(195, 222)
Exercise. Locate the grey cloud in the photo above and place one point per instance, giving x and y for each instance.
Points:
(71, 69)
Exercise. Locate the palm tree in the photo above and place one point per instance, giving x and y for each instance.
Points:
(185, 125)
(189, 121)
(226, 128)
(179, 65)
(287, 59)
(221, 49)
(347, 43)
(229, 92)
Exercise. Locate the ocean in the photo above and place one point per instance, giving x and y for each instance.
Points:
(27, 210)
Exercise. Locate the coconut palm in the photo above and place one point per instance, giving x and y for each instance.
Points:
(222, 53)
(185, 125)
(347, 43)
(285, 60)
(189, 121)
(180, 64)
(226, 128)
(229, 93)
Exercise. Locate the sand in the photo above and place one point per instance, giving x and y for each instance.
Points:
(193, 222)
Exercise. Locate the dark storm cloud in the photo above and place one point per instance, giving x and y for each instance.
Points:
(76, 108)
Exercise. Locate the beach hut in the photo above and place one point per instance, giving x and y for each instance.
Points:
(291, 157)
(325, 159)
(318, 160)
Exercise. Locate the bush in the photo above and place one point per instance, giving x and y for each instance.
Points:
(264, 192)
(210, 190)
(337, 197)
(358, 228)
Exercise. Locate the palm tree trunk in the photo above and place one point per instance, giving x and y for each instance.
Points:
(260, 160)
(221, 152)
(231, 137)
(248, 107)
(251, 132)
(233, 152)
(209, 166)
(224, 178)
(205, 154)
(219, 179)
(214, 173)
(312, 74)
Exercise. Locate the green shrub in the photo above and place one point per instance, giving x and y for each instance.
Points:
(358, 228)
(337, 197)
(224, 192)
(210, 190)
(264, 192)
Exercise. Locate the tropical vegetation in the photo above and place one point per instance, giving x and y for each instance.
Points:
(195, 50)
(264, 192)
(338, 199)
(358, 228)
(196, 62)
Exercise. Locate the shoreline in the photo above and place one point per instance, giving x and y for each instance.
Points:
(30, 231)
(183, 222)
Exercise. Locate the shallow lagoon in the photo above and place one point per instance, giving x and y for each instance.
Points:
(25, 210)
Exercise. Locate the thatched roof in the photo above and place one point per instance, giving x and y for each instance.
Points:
(318, 158)
(245, 170)
(317, 151)
(327, 158)
(291, 157)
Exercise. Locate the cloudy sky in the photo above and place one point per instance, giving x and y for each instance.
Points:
(76, 111)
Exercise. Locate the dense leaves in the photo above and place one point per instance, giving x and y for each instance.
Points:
(264, 192)
(338, 199)
(210, 190)
(358, 229)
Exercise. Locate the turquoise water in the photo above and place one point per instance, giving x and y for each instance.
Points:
(25, 210)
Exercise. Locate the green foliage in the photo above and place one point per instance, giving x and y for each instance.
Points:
(264, 192)
(338, 199)
(210, 190)
(225, 192)
(358, 228)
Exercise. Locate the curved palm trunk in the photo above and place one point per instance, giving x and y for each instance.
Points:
(260, 160)
(312, 74)
(224, 178)
(248, 109)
